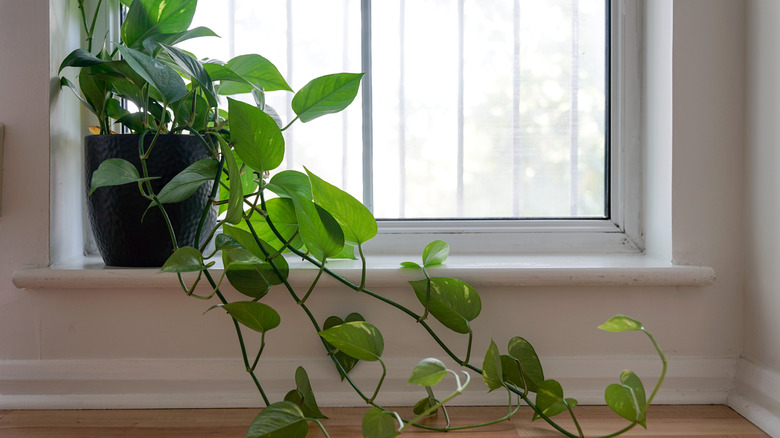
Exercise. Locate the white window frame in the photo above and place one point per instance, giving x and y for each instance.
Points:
(621, 233)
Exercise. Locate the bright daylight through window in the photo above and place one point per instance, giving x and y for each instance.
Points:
(480, 108)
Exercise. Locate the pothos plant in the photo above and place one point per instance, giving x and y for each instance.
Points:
(267, 214)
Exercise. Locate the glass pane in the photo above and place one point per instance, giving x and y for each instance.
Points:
(481, 108)
(530, 78)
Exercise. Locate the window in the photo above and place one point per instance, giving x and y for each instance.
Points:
(479, 109)
(614, 225)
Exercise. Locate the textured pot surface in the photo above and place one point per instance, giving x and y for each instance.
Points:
(115, 213)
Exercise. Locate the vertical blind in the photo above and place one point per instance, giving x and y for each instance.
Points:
(478, 108)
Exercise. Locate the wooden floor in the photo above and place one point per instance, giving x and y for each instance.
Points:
(663, 421)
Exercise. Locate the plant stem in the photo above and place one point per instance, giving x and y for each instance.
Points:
(363, 270)
(240, 338)
(290, 124)
(313, 284)
(574, 419)
(382, 379)
(91, 31)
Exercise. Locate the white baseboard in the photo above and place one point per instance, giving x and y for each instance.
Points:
(213, 383)
(756, 396)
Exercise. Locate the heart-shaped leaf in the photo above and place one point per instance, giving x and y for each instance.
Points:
(347, 362)
(628, 398)
(161, 77)
(526, 357)
(452, 302)
(428, 372)
(188, 181)
(423, 405)
(621, 323)
(510, 370)
(247, 241)
(326, 95)
(281, 419)
(355, 219)
(435, 253)
(549, 399)
(115, 172)
(320, 232)
(185, 259)
(194, 69)
(255, 136)
(379, 424)
(80, 58)
(242, 269)
(308, 403)
(359, 339)
(257, 316)
(147, 18)
(287, 182)
(492, 371)
(255, 70)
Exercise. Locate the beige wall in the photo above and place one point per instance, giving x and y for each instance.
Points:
(758, 376)
(123, 347)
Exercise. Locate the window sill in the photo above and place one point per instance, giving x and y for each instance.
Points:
(479, 270)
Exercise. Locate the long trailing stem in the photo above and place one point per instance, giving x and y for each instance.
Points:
(240, 339)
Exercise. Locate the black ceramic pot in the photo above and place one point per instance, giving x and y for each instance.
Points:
(115, 212)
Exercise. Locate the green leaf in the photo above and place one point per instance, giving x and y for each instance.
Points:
(526, 356)
(188, 181)
(255, 136)
(452, 302)
(247, 279)
(257, 316)
(378, 424)
(159, 76)
(65, 82)
(115, 172)
(287, 182)
(355, 219)
(247, 241)
(195, 70)
(510, 370)
(235, 209)
(243, 271)
(358, 339)
(184, 116)
(172, 39)
(423, 405)
(320, 232)
(347, 362)
(410, 265)
(96, 92)
(549, 399)
(256, 70)
(282, 213)
(222, 74)
(80, 58)
(185, 259)
(224, 242)
(147, 18)
(428, 372)
(347, 253)
(492, 371)
(280, 420)
(309, 404)
(628, 399)
(326, 95)
(621, 323)
(435, 253)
